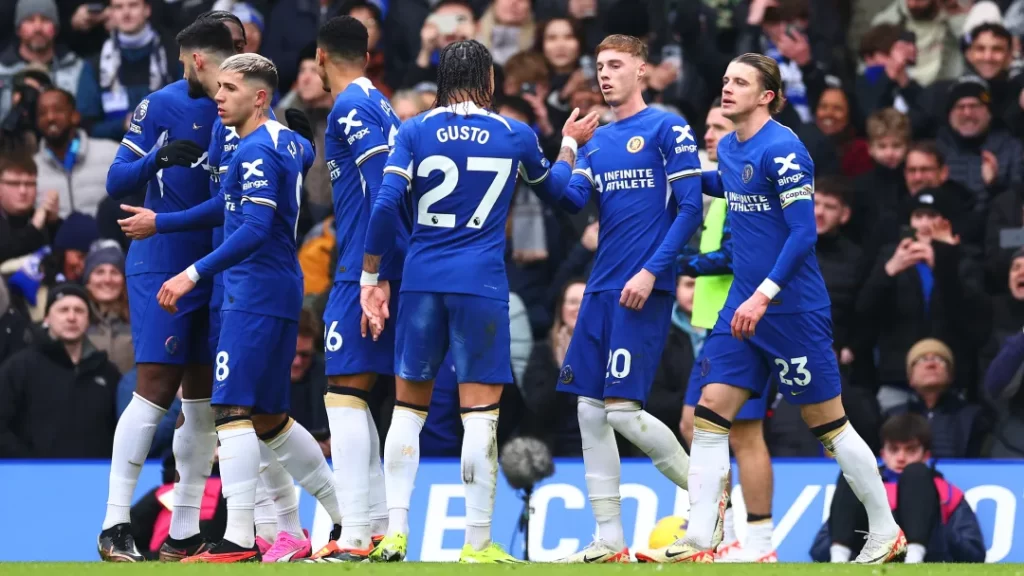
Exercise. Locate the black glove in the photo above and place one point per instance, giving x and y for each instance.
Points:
(179, 153)
(298, 122)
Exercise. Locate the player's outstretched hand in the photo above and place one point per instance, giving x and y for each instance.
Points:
(637, 290)
(746, 317)
(172, 290)
(580, 129)
(141, 224)
(299, 123)
(179, 153)
(374, 302)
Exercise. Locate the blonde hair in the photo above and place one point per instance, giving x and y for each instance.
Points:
(623, 43)
(252, 67)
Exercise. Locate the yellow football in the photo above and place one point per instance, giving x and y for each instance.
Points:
(666, 531)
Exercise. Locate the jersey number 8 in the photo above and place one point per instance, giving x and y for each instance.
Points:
(799, 365)
(502, 168)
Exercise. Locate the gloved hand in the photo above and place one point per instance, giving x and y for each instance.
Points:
(298, 122)
(179, 153)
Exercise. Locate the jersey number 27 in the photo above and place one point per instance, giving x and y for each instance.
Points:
(501, 167)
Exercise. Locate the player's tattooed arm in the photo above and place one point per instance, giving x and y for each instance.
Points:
(568, 155)
(371, 263)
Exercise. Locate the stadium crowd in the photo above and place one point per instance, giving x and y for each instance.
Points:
(913, 111)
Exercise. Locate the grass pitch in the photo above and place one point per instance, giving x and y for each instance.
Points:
(442, 569)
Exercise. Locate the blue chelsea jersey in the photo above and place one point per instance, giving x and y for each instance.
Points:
(631, 164)
(267, 169)
(768, 181)
(360, 127)
(462, 162)
(167, 115)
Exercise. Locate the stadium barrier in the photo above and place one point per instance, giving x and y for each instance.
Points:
(69, 498)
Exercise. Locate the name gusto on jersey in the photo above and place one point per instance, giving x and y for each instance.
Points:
(468, 133)
(748, 202)
(630, 179)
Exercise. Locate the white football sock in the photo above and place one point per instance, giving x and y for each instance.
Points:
(350, 453)
(602, 468)
(915, 554)
(729, 528)
(709, 470)
(194, 444)
(299, 453)
(652, 437)
(479, 474)
(861, 471)
(239, 468)
(839, 554)
(265, 516)
(378, 494)
(133, 438)
(759, 537)
(280, 489)
(401, 460)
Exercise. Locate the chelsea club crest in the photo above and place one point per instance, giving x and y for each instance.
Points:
(748, 173)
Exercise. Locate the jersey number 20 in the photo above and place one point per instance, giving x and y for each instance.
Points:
(501, 167)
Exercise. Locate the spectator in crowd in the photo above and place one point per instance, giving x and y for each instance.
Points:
(69, 161)
(24, 227)
(132, 64)
(937, 28)
(560, 41)
(252, 22)
(834, 118)
(110, 328)
(370, 15)
(506, 28)
(877, 192)
(983, 158)
(57, 396)
(778, 28)
(151, 515)
(923, 287)
(308, 95)
(15, 329)
(841, 262)
(407, 104)
(526, 77)
(1003, 388)
(958, 428)
(72, 244)
(309, 383)
(84, 26)
(883, 82)
(1007, 311)
(18, 128)
(449, 21)
(36, 22)
(544, 406)
(939, 523)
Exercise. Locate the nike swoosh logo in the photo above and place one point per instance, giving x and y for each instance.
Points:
(795, 393)
(588, 559)
(669, 554)
(196, 126)
(164, 159)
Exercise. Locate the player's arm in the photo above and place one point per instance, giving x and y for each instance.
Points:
(711, 184)
(209, 214)
(134, 166)
(555, 184)
(259, 203)
(796, 195)
(682, 170)
(714, 263)
(370, 151)
(386, 210)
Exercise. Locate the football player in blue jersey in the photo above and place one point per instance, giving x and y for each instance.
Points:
(259, 206)
(776, 321)
(165, 147)
(460, 160)
(645, 170)
(359, 129)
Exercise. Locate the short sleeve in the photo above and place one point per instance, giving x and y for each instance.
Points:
(146, 125)
(533, 166)
(361, 131)
(791, 171)
(679, 148)
(400, 160)
(259, 173)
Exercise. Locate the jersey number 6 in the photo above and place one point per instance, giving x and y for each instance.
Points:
(502, 168)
